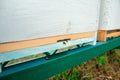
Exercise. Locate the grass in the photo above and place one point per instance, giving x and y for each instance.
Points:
(104, 67)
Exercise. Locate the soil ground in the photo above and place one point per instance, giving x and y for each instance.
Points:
(104, 67)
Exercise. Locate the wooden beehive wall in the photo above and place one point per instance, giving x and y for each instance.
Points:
(31, 19)
(110, 15)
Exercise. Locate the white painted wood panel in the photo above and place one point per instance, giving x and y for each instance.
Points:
(31, 19)
(110, 15)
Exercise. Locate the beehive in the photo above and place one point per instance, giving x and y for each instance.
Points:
(109, 19)
(30, 23)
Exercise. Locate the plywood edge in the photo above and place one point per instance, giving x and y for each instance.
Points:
(6, 47)
(104, 34)
(114, 34)
(101, 36)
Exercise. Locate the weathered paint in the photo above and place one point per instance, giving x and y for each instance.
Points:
(109, 15)
(31, 19)
(42, 69)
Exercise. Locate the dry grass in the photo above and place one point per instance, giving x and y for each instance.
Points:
(104, 67)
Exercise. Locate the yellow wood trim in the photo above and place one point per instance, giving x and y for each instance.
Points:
(5, 47)
(114, 34)
(102, 35)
